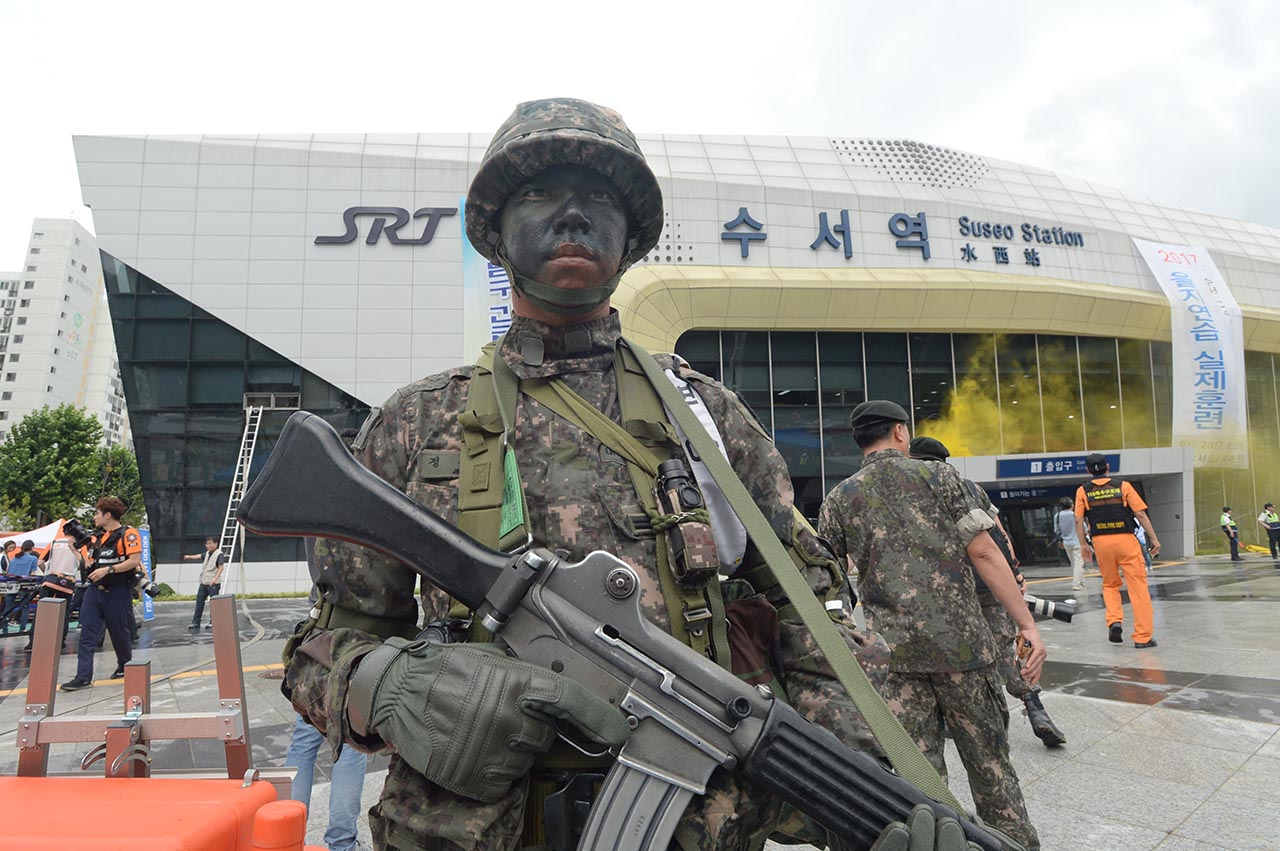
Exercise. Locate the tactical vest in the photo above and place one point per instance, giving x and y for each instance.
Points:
(1105, 508)
(108, 552)
(491, 510)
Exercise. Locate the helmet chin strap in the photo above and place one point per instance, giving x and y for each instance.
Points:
(557, 300)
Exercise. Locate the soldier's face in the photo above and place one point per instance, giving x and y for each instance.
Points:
(566, 228)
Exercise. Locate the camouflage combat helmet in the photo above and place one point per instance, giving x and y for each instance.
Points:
(560, 131)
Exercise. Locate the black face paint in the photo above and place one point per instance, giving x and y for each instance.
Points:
(564, 234)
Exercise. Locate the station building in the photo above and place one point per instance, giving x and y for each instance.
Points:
(1005, 306)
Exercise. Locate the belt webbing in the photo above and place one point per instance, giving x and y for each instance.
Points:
(901, 749)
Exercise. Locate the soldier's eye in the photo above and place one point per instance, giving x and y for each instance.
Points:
(534, 194)
(601, 195)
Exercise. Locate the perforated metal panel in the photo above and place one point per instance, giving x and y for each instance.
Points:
(903, 160)
(672, 247)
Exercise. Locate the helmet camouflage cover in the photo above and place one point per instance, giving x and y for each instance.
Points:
(564, 131)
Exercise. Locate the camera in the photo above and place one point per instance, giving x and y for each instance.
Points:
(151, 589)
(1048, 608)
(76, 532)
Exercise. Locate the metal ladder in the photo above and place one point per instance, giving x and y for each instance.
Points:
(233, 532)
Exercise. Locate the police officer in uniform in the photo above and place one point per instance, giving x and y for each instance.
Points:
(1270, 521)
(1232, 531)
(115, 553)
(1112, 508)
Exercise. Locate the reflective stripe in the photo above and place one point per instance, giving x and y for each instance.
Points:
(730, 535)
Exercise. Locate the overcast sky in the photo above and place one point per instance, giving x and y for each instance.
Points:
(1178, 100)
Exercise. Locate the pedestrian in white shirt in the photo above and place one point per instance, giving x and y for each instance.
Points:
(1066, 522)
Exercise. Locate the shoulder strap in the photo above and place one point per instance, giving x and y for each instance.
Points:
(901, 749)
(491, 505)
(696, 616)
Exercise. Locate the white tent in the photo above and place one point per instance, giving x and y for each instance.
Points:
(42, 537)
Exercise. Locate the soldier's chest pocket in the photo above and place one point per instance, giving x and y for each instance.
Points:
(433, 481)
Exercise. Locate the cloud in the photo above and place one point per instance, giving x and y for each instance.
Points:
(1175, 100)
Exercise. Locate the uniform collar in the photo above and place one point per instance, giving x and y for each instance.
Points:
(536, 350)
(880, 455)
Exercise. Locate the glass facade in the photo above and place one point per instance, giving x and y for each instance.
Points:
(984, 394)
(186, 375)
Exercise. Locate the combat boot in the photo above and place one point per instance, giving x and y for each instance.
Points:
(1041, 724)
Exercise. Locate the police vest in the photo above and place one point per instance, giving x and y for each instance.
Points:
(107, 551)
(1105, 508)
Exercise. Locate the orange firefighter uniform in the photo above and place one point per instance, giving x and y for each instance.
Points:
(1108, 504)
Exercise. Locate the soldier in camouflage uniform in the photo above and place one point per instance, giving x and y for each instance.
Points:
(932, 451)
(565, 201)
(912, 532)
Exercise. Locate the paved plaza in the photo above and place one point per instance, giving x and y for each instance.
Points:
(1175, 748)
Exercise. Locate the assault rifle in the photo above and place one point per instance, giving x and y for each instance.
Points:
(688, 716)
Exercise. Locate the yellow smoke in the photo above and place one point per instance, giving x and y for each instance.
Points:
(978, 419)
(1037, 406)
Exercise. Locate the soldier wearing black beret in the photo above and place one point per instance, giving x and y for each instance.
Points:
(917, 541)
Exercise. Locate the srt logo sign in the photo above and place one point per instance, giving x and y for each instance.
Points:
(379, 225)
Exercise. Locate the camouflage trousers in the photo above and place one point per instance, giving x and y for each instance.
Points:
(972, 706)
(416, 815)
(1006, 632)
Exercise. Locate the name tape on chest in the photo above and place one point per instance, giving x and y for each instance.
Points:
(438, 464)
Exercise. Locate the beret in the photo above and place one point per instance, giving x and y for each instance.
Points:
(928, 449)
(878, 411)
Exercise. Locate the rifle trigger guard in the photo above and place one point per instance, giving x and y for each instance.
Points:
(571, 742)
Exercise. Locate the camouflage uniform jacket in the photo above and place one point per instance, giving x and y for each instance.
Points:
(905, 524)
(579, 496)
(978, 498)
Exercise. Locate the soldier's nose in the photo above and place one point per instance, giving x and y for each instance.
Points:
(571, 220)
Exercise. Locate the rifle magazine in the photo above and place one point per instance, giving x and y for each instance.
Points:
(635, 811)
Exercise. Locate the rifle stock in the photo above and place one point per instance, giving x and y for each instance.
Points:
(311, 486)
(689, 716)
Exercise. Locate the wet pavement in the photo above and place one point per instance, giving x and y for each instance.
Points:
(1175, 748)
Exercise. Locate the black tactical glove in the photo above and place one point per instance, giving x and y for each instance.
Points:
(923, 834)
(467, 716)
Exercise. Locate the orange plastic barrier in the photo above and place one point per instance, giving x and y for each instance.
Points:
(149, 814)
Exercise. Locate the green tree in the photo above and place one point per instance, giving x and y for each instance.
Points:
(49, 464)
(119, 477)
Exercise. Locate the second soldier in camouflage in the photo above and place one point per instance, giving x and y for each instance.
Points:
(912, 532)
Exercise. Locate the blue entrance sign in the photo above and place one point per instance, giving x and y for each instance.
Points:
(1027, 467)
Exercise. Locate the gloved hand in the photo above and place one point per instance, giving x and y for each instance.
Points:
(472, 719)
(923, 834)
